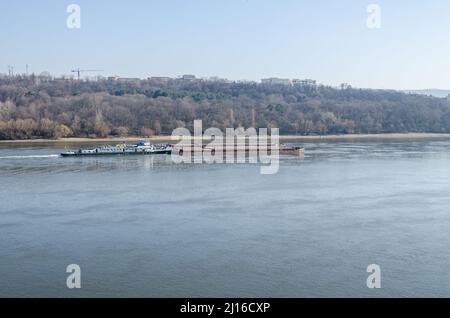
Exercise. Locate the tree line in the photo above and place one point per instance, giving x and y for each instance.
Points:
(43, 107)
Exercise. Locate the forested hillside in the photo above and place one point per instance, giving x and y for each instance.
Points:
(41, 107)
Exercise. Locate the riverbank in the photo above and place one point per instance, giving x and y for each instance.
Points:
(394, 136)
(84, 140)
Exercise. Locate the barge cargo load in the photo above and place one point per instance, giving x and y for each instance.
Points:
(282, 149)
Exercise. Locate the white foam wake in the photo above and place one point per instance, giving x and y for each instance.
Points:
(30, 157)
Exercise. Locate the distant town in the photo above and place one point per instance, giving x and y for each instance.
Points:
(271, 81)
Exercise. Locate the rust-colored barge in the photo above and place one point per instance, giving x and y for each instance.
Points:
(283, 149)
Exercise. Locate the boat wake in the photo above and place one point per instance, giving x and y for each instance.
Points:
(30, 157)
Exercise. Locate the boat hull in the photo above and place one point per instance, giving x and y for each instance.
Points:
(77, 154)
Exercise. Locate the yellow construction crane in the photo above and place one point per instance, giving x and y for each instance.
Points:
(78, 71)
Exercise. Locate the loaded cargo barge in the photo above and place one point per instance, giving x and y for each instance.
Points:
(147, 148)
(283, 149)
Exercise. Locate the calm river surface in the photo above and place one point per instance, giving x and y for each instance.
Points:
(146, 227)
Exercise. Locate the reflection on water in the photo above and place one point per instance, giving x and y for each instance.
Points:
(143, 226)
(55, 164)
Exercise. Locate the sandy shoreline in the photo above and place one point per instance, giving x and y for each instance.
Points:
(395, 136)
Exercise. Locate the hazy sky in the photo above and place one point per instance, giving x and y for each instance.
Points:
(238, 39)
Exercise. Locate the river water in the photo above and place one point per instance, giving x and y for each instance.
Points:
(146, 227)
